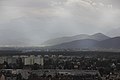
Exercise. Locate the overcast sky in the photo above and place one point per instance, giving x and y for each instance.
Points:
(35, 21)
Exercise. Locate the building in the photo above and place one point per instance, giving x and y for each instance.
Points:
(33, 59)
(11, 60)
(39, 60)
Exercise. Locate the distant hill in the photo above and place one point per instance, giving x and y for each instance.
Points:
(97, 36)
(85, 43)
(112, 43)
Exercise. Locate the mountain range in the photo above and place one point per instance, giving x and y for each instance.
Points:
(56, 41)
(96, 41)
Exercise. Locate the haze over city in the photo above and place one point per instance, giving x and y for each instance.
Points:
(31, 22)
(59, 39)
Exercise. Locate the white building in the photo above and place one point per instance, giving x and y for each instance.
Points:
(38, 60)
(29, 60)
(2, 59)
(33, 59)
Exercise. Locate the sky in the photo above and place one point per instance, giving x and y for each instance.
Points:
(31, 22)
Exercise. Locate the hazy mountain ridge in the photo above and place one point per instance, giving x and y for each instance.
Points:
(96, 41)
(97, 36)
(85, 43)
(112, 43)
(65, 39)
